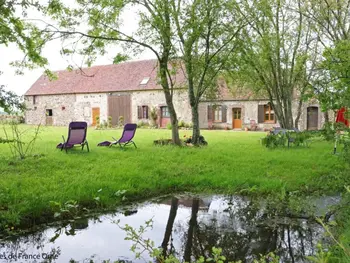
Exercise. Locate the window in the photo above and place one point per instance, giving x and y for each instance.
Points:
(34, 100)
(165, 112)
(142, 112)
(218, 114)
(269, 114)
(144, 81)
(49, 113)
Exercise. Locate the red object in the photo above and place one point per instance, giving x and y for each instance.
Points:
(341, 117)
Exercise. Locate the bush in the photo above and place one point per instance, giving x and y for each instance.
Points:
(169, 126)
(121, 121)
(104, 124)
(109, 121)
(141, 124)
(181, 124)
(281, 139)
(330, 130)
(154, 116)
(18, 146)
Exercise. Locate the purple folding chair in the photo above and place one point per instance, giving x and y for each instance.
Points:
(76, 136)
(128, 134)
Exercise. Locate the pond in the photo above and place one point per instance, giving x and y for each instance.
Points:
(184, 225)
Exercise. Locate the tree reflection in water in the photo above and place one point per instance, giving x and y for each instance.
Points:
(244, 230)
(186, 227)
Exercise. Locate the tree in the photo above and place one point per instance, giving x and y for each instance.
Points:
(277, 55)
(27, 37)
(331, 23)
(9, 101)
(13, 29)
(103, 30)
(336, 66)
(207, 31)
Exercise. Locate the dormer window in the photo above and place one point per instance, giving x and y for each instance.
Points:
(144, 81)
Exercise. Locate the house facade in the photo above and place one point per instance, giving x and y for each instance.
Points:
(130, 91)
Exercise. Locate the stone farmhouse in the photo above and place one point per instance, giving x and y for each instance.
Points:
(131, 90)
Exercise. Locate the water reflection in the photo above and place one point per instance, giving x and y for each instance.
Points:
(183, 226)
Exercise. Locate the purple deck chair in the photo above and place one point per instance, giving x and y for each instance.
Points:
(128, 134)
(76, 136)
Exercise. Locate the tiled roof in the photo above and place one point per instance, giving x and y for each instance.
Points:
(125, 76)
(227, 93)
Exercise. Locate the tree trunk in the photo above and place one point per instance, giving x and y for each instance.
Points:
(163, 69)
(191, 228)
(170, 224)
(284, 115)
(297, 119)
(195, 120)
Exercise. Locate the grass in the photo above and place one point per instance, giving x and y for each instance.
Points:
(232, 162)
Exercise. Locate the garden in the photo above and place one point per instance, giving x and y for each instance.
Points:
(49, 185)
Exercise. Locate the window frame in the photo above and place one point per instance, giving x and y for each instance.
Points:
(166, 111)
(217, 112)
(48, 111)
(271, 112)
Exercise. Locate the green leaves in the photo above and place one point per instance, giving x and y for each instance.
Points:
(337, 64)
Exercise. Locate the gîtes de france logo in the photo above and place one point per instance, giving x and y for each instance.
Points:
(24, 256)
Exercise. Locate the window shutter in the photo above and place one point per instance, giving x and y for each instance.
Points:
(261, 113)
(139, 112)
(146, 112)
(210, 113)
(224, 113)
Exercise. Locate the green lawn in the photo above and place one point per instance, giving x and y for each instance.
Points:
(232, 162)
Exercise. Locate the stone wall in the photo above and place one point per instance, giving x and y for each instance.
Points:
(84, 104)
(65, 108)
(62, 107)
(156, 98)
(78, 107)
(249, 110)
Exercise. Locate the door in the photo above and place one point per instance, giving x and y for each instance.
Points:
(236, 118)
(119, 109)
(164, 116)
(95, 114)
(312, 118)
(49, 120)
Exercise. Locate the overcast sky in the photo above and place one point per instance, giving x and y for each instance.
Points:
(21, 83)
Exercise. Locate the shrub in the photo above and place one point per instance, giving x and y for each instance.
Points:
(141, 124)
(181, 124)
(154, 116)
(169, 126)
(18, 147)
(109, 121)
(121, 121)
(97, 118)
(281, 139)
(104, 124)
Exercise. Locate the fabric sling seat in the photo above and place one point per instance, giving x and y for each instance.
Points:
(76, 136)
(127, 136)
